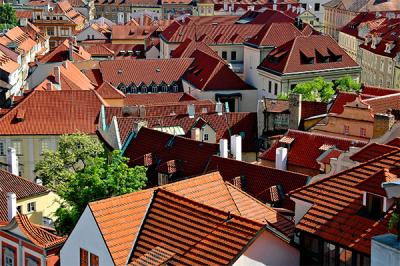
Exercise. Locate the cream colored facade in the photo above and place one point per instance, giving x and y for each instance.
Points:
(45, 204)
(378, 70)
(29, 149)
(335, 19)
(351, 45)
(204, 9)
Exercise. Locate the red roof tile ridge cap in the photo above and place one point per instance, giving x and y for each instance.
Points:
(325, 136)
(381, 97)
(291, 193)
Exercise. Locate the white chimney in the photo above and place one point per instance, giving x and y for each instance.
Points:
(274, 6)
(191, 110)
(57, 74)
(223, 148)
(65, 64)
(225, 5)
(23, 22)
(218, 108)
(11, 205)
(12, 161)
(39, 181)
(195, 134)
(281, 156)
(49, 85)
(236, 147)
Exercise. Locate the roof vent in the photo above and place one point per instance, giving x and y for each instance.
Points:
(20, 115)
(158, 69)
(119, 71)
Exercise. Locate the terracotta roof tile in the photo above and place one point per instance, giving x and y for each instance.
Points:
(382, 104)
(119, 218)
(258, 178)
(187, 48)
(377, 91)
(54, 112)
(195, 232)
(372, 151)
(38, 235)
(61, 53)
(276, 34)
(107, 91)
(21, 187)
(288, 58)
(157, 98)
(336, 202)
(151, 70)
(304, 151)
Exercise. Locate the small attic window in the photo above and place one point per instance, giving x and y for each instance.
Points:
(119, 71)
(305, 60)
(158, 70)
(20, 115)
(374, 205)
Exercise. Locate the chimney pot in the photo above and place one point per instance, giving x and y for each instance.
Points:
(191, 110)
(12, 161)
(11, 205)
(223, 148)
(281, 155)
(236, 147)
(195, 134)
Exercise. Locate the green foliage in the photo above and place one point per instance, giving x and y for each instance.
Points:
(394, 220)
(8, 18)
(283, 96)
(317, 90)
(80, 172)
(73, 151)
(347, 84)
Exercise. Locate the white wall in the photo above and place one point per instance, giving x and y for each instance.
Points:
(268, 249)
(251, 62)
(153, 53)
(83, 35)
(384, 250)
(85, 235)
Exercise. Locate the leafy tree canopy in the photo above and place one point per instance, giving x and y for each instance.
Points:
(80, 172)
(347, 84)
(8, 18)
(317, 90)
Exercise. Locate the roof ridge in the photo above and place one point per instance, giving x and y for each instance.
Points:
(324, 136)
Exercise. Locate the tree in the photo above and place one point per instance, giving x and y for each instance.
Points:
(8, 18)
(73, 151)
(317, 90)
(99, 179)
(347, 84)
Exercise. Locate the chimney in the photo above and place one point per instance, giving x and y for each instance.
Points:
(295, 110)
(70, 51)
(236, 147)
(191, 110)
(12, 161)
(142, 111)
(225, 5)
(218, 108)
(141, 20)
(39, 182)
(57, 75)
(382, 124)
(138, 125)
(65, 64)
(195, 134)
(49, 86)
(281, 158)
(23, 22)
(11, 205)
(274, 6)
(223, 148)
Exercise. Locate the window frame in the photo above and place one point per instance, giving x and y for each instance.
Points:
(29, 206)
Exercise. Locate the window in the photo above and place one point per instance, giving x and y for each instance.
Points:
(317, 7)
(205, 137)
(374, 206)
(175, 88)
(31, 261)
(9, 255)
(64, 31)
(154, 88)
(233, 55)
(50, 31)
(164, 88)
(94, 260)
(363, 132)
(346, 130)
(224, 55)
(269, 86)
(329, 254)
(2, 151)
(276, 89)
(19, 209)
(345, 257)
(17, 146)
(84, 257)
(31, 207)
(38, 17)
(44, 145)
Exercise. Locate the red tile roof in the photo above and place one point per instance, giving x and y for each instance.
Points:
(192, 232)
(288, 58)
(209, 73)
(372, 151)
(119, 218)
(157, 98)
(304, 151)
(167, 147)
(100, 50)
(342, 98)
(334, 153)
(275, 34)
(308, 109)
(336, 202)
(382, 104)
(107, 91)
(24, 14)
(132, 32)
(20, 186)
(224, 125)
(258, 178)
(377, 91)
(187, 48)
(61, 53)
(144, 71)
(71, 78)
(363, 19)
(373, 184)
(94, 75)
(37, 234)
(54, 113)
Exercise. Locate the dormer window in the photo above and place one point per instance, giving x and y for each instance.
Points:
(367, 40)
(374, 205)
(305, 60)
(389, 47)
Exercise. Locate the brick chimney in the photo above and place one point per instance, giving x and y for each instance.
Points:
(382, 124)
(57, 75)
(295, 111)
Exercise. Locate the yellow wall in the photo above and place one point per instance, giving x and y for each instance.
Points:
(46, 205)
(127, 41)
(114, 102)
